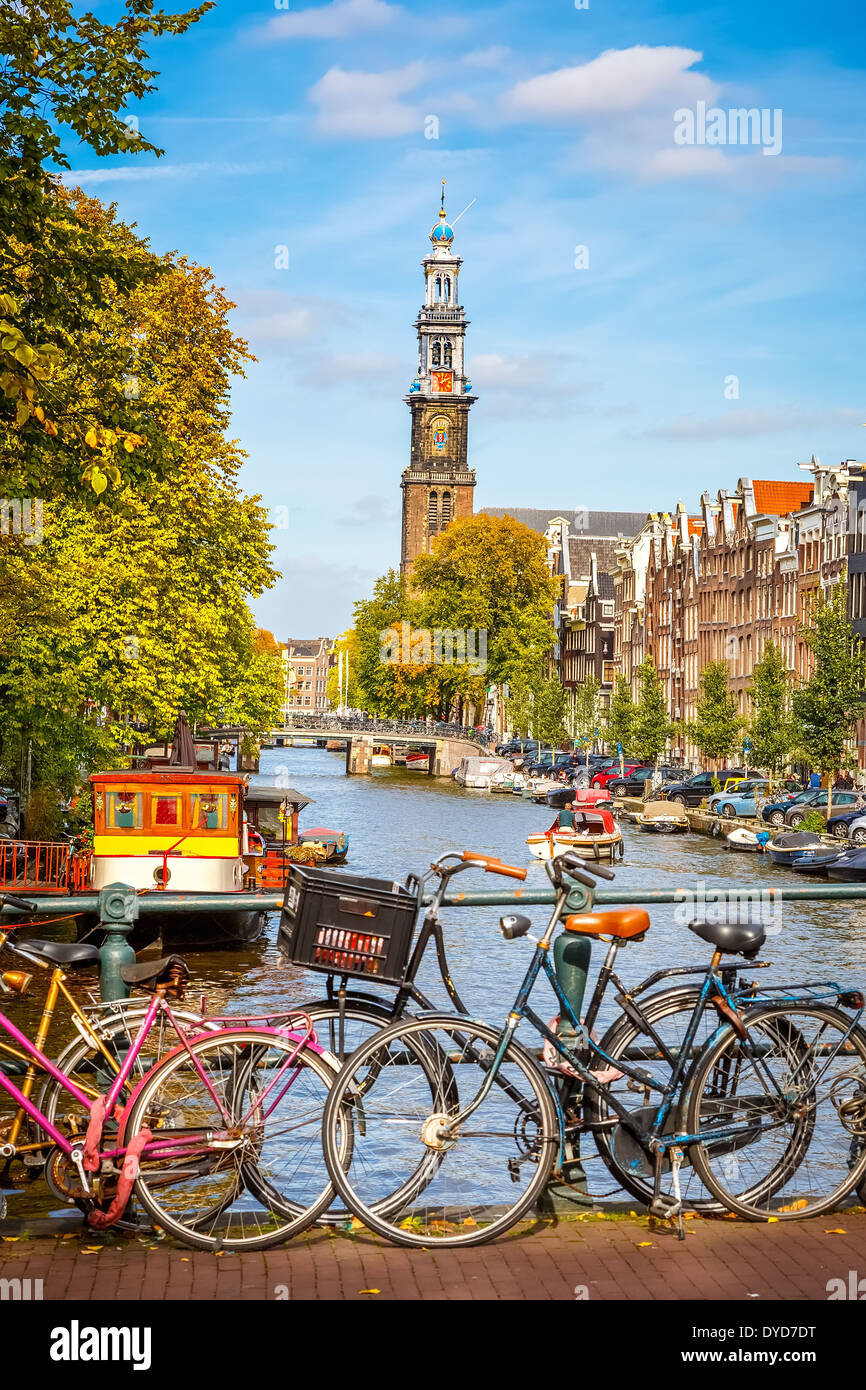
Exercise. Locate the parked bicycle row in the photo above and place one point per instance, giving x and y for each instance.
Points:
(711, 1090)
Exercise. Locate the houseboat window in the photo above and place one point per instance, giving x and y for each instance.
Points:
(166, 810)
(124, 811)
(209, 811)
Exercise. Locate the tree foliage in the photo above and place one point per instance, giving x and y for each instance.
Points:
(828, 706)
(717, 723)
(652, 728)
(585, 711)
(66, 72)
(620, 722)
(772, 729)
(548, 712)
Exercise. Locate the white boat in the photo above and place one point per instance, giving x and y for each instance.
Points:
(417, 762)
(747, 840)
(380, 757)
(477, 772)
(595, 835)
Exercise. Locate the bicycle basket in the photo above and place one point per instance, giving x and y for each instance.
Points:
(348, 925)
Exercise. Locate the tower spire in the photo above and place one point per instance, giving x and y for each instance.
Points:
(442, 204)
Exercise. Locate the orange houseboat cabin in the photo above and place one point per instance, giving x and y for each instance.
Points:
(152, 829)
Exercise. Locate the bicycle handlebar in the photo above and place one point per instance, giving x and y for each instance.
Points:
(493, 866)
(22, 904)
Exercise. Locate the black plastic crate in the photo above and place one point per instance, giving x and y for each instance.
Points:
(348, 925)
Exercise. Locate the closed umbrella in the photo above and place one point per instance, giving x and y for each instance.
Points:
(182, 745)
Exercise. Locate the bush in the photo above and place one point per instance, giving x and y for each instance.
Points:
(813, 821)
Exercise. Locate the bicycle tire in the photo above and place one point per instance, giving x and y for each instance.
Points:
(787, 1042)
(442, 1226)
(233, 1050)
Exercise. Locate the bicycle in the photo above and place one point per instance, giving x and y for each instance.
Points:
(441, 1167)
(228, 1119)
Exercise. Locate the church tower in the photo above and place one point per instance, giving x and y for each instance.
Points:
(437, 485)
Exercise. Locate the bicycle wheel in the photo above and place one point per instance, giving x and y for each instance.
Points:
(93, 1073)
(253, 1111)
(775, 1113)
(669, 1013)
(404, 1177)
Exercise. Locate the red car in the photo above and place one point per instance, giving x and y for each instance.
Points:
(609, 774)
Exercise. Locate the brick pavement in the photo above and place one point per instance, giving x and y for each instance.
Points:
(602, 1256)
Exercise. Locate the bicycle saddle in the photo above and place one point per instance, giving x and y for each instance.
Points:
(735, 938)
(147, 974)
(60, 952)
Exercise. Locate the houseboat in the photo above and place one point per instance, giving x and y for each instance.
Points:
(181, 831)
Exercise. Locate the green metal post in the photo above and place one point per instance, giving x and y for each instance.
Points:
(118, 913)
(571, 957)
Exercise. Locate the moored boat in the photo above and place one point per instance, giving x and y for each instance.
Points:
(817, 861)
(380, 756)
(477, 771)
(791, 845)
(754, 842)
(584, 798)
(595, 835)
(662, 817)
(849, 867)
(417, 762)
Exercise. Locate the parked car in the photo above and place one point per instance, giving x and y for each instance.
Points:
(515, 746)
(694, 790)
(742, 798)
(603, 775)
(857, 828)
(840, 826)
(797, 813)
(634, 783)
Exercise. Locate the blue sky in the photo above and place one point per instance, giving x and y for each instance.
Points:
(307, 128)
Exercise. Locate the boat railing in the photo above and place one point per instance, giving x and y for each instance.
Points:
(38, 864)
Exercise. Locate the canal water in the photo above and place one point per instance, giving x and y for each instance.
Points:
(399, 821)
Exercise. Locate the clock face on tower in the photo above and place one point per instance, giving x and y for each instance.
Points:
(443, 381)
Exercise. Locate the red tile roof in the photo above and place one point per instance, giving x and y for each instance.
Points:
(780, 499)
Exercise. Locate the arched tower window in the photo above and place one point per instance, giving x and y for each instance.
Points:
(432, 513)
(436, 359)
(446, 509)
(446, 353)
(447, 294)
(438, 295)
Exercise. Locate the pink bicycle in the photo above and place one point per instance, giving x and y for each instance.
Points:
(220, 1141)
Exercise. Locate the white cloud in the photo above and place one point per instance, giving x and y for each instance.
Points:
(275, 317)
(685, 162)
(126, 173)
(373, 372)
(620, 79)
(739, 422)
(363, 105)
(371, 510)
(337, 20)
(492, 57)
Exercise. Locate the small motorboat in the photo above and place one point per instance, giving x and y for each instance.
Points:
(580, 797)
(817, 861)
(662, 817)
(477, 771)
(417, 762)
(791, 845)
(752, 841)
(849, 866)
(595, 835)
(334, 842)
(380, 756)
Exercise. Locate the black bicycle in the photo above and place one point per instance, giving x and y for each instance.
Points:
(455, 1128)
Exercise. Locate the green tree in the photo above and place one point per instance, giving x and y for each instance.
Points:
(548, 712)
(585, 710)
(519, 705)
(828, 706)
(718, 723)
(620, 722)
(773, 730)
(652, 728)
(64, 73)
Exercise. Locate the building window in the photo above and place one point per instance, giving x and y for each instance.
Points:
(446, 508)
(436, 358)
(447, 283)
(433, 513)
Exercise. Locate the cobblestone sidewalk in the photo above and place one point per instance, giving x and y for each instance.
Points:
(594, 1257)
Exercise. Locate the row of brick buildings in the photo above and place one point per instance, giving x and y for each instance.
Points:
(715, 584)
